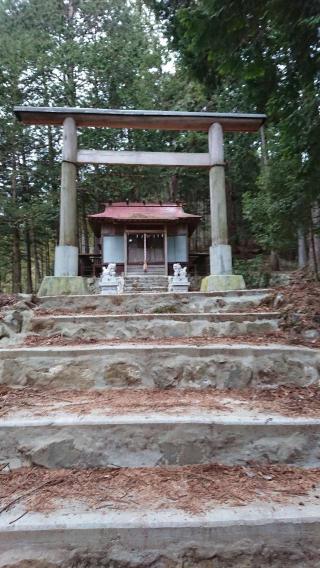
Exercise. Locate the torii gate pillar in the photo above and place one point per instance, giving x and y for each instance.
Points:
(221, 277)
(66, 253)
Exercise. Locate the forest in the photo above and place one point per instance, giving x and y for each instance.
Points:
(193, 55)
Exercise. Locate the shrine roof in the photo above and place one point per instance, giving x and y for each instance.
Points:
(141, 119)
(123, 211)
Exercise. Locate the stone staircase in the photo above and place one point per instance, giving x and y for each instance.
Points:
(134, 283)
(158, 430)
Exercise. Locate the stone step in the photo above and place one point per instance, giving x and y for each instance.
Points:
(137, 270)
(131, 429)
(150, 283)
(168, 517)
(145, 277)
(131, 289)
(157, 302)
(147, 282)
(134, 326)
(160, 366)
(158, 280)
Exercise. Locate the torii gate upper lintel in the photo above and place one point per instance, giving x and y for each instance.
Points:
(66, 255)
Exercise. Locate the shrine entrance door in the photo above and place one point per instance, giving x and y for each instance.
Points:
(146, 254)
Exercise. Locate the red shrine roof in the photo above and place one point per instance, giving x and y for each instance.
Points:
(148, 213)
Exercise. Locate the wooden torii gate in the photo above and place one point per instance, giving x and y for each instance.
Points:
(66, 254)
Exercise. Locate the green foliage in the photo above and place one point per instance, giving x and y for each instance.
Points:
(261, 56)
(254, 270)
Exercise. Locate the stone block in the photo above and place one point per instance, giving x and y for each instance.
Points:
(66, 261)
(220, 259)
(63, 285)
(179, 288)
(222, 282)
(110, 288)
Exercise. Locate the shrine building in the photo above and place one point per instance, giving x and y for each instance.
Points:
(144, 238)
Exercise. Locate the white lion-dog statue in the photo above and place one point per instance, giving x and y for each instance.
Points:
(179, 272)
(179, 281)
(108, 272)
(110, 283)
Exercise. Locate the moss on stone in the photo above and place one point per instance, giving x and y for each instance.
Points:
(222, 282)
(63, 285)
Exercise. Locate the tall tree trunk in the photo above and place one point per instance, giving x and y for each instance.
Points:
(173, 187)
(16, 254)
(264, 148)
(48, 268)
(85, 232)
(29, 262)
(315, 218)
(314, 240)
(16, 261)
(70, 82)
(53, 179)
(302, 249)
(41, 261)
(274, 257)
(36, 261)
(313, 255)
(274, 261)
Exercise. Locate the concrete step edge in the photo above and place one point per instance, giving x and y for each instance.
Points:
(253, 533)
(265, 420)
(232, 293)
(237, 348)
(260, 513)
(218, 316)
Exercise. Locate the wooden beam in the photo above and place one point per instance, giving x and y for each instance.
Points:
(143, 119)
(144, 158)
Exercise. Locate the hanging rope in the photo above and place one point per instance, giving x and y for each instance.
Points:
(145, 265)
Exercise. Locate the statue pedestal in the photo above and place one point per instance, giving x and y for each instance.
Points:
(222, 283)
(63, 285)
(109, 288)
(176, 286)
